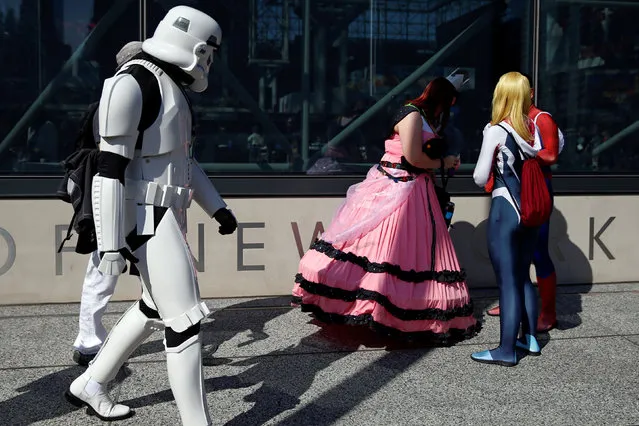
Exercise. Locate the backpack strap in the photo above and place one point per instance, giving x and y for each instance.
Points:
(144, 73)
(504, 179)
(444, 176)
(521, 151)
(538, 114)
(69, 230)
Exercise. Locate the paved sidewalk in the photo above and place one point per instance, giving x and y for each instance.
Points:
(269, 364)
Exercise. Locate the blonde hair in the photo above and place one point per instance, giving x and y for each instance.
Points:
(511, 99)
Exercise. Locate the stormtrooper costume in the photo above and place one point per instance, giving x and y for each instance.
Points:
(145, 182)
(97, 287)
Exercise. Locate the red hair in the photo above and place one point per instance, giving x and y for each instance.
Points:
(439, 93)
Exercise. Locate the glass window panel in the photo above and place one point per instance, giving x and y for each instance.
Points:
(56, 55)
(251, 119)
(589, 81)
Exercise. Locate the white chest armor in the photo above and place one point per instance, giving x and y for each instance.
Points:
(165, 154)
(160, 172)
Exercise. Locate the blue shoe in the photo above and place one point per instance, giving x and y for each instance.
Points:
(531, 346)
(486, 357)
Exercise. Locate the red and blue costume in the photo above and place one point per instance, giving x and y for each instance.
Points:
(544, 267)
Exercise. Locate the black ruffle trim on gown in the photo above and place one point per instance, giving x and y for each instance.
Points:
(446, 276)
(328, 292)
(422, 338)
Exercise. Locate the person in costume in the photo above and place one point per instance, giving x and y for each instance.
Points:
(387, 260)
(544, 267)
(510, 244)
(145, 183)
(97, 288)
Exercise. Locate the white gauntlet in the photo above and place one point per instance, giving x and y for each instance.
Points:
(108, 215)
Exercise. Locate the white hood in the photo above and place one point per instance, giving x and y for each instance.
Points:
(525, 146)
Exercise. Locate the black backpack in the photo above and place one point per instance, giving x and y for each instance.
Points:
(85, 138)
(75, 189)
(81, 165)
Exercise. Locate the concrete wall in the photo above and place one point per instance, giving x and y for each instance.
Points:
(593, 239)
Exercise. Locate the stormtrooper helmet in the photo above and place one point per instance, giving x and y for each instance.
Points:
(186, 38)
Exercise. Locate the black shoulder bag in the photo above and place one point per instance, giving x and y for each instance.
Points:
(436, 148)
(443, 197)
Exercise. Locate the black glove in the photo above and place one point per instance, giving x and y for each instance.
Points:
(228, 223)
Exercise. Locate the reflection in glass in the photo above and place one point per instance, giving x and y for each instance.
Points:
(589, 81)
(358, 54)
(262, 112)
(56, 54)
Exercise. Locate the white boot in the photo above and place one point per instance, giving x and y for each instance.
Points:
(184, 366)
(90, 388)
(86, 391)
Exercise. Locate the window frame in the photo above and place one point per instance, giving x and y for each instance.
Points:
(39, 186)
(261, 186)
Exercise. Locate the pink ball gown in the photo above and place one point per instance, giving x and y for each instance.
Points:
(387, 260)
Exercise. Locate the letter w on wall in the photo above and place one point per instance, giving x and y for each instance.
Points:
(319, 228)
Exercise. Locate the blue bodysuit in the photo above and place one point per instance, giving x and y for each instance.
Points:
(510, 244)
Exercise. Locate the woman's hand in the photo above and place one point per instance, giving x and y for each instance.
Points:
(451, 161)
(457, 163)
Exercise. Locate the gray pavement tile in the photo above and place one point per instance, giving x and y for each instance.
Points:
(72, 309)
(35, 396)
(633, 338)
(62, 309)
(445, 387)
(47, 340)
(572, 322)
(31, 395)
(37, 341)
(116, 307)
(578, 315)
(230, 332)
(576, 381)
(274, 365)
(248, 329)
(598, 288)
(616, 311)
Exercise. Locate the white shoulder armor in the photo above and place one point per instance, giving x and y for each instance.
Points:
(120, 106)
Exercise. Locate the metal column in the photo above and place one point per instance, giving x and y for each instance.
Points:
(574, 80)
(343, 66)
(306, 92)
(536, 28)
(319, 71)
